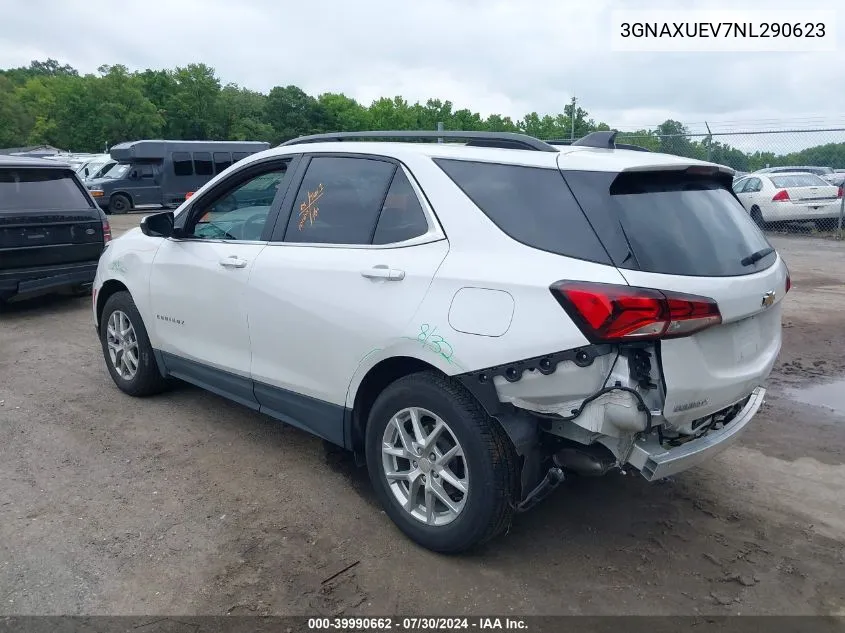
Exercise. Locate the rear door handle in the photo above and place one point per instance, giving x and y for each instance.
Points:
(233, 261)
(383, 272)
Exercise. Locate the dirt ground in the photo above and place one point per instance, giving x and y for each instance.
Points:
(188, 504)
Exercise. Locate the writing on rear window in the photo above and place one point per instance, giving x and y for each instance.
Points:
(308, 210)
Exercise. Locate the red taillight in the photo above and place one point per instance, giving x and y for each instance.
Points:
(106, 231)
(839, 191)
(607, 312)
(781, 196)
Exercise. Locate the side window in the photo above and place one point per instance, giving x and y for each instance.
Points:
(339, 200)
(240, 212)
(739, 185)
(236, 156)
(182, 164)
(146, 172)
(202, 164)
(402, 217)
(222, 161)
(532, 205)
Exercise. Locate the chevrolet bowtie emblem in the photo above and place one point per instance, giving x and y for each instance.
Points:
(768, 299)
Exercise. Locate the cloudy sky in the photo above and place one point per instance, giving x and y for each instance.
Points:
(504, 56)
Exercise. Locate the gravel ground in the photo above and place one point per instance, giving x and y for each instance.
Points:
(188, 504)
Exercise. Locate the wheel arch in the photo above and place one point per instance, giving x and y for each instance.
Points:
(376, 379)
(109, 288)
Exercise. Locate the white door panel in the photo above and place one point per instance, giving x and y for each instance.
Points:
(199, 306)
(316, 312)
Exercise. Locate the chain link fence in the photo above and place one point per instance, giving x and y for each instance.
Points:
(789, 180)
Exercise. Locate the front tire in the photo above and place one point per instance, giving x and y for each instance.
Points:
(443, 470)
(126, 348)
(119, 204)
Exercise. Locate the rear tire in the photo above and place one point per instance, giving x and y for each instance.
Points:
(484, 463)
(127, 350)
(119, 204)
(757, 216)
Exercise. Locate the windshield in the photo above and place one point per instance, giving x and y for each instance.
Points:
(798, 180)
(118, 171)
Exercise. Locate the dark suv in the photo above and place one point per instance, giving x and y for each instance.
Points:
(52, 233)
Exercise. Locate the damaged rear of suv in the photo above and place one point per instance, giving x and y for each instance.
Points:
(656, 298)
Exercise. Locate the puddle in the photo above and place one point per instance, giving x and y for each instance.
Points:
(830, 396)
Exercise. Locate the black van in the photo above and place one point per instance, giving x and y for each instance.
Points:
(161, 173)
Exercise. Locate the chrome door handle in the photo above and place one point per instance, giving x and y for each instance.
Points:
(233, 261)
(383, 272)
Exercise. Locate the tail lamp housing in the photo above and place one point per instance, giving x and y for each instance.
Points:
(781, 196)
(616, 313)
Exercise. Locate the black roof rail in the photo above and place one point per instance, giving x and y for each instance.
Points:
(507, 140)
(605, 139)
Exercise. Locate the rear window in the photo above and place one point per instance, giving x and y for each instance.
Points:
(798, 180)
(36, 189)
(532, 205)
(672, 222)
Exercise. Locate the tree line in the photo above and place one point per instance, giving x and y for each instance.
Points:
(50, 103)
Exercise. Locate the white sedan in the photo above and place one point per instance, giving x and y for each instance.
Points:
(788, 197)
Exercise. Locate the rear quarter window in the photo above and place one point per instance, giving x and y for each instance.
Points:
(673, 222)
(40, 188)
(532, 205)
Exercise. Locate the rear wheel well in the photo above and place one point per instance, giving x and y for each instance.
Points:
(376, 380)
(109, 288)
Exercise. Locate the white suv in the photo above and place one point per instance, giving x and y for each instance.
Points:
(474, 320)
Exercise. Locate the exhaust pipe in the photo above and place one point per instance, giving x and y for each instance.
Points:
(588, 461)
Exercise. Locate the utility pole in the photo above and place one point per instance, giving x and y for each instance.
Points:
(572, 118)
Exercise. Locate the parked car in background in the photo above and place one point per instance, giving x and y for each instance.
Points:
(826, 173)
(95, 167)
(51, 232)
(161, 173)
(474, 321)
(788, 197)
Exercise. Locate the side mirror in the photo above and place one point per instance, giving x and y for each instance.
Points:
(158, 225)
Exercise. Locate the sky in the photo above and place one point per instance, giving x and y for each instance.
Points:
(492, 56)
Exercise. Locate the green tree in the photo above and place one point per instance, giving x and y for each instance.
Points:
(392, 114)
(241, 114)
(15, 123)
(47, 68)
(192, 108)
(292, 113)
(342, 113)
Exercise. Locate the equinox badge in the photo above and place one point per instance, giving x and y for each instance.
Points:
(768, 299)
